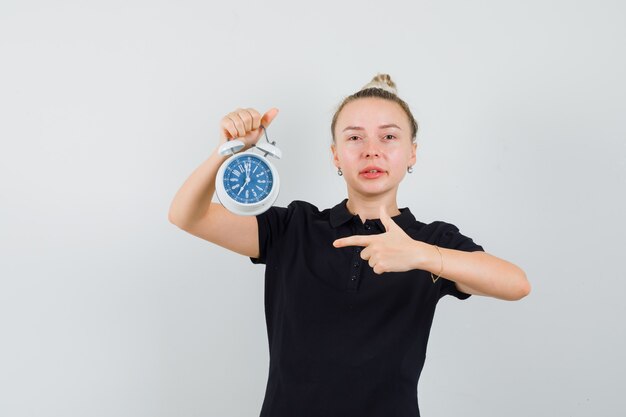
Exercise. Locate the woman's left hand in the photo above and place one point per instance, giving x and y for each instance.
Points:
(392, 251)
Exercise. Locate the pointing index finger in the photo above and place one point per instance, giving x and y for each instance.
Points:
(356, 240)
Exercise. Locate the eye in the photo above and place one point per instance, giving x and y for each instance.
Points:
(390, 137)
(353, 138)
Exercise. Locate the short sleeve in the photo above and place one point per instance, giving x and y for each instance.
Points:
(450, 237)
(271, 225)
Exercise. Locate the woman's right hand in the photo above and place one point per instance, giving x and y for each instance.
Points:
(245, 125)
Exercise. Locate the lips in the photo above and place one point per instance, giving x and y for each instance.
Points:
(372, 172)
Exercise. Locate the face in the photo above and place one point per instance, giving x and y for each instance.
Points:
(373, 146)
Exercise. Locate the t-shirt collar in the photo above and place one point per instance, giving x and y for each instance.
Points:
(340, 215)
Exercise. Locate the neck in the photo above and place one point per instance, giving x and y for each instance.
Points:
(368, 207)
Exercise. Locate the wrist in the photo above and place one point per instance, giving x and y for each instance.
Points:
(215, 154)
(429, 258)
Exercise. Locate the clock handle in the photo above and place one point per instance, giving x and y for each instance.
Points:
(269, 148)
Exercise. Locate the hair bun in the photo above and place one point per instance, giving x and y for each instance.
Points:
(382, 81)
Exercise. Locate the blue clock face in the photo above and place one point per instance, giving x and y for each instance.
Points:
(248, 179)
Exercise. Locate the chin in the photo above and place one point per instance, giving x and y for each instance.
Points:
(373, 191)
(373, 187)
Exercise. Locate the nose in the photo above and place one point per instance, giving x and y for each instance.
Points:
(371, 150)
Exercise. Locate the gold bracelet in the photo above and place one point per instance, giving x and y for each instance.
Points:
(441, 270)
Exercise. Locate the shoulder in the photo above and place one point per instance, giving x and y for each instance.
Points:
(306, 207)
(298, 206)
(296, 209)
(448, 235)
(442, 228)
(434, 232)
(303, 206)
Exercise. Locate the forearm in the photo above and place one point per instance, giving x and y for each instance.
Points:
(476, 272)
(194, 197)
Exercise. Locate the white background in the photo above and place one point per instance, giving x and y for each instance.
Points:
(107, 309)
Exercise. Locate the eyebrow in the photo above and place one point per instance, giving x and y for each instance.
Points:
(380, 127)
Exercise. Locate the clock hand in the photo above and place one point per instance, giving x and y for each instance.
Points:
(243, 186)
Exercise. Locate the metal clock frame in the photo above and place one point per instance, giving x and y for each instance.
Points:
(247, 209)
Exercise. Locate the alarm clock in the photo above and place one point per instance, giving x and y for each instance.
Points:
(247, 183)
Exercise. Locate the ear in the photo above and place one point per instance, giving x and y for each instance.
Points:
(413, 157)
(333, 149)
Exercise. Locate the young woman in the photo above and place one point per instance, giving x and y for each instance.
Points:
(350, 291)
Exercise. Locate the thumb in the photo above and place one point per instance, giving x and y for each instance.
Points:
(269, 116)
(385, 219)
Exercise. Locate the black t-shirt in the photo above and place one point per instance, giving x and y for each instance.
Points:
(344, 341)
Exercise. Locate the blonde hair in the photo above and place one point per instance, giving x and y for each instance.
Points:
(381, 86)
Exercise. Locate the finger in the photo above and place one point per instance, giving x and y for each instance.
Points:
(366, 254)
(241, 129)
(228, 129)
(246, 118)
(373, 264)
(256, 118)
(269, 116)
(356, 240)
(386, 220)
